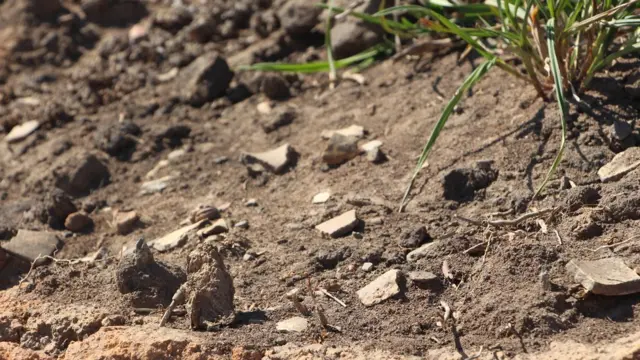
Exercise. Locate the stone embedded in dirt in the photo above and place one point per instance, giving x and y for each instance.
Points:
(386, 286)
(356, 131)
(376, 156)
(372, 149)
(218, 227)
(147, 283)
(118, 140)
(28, 245)
(366, 267)
(329, 259)
(340, 225)
(424, 279)
(58, 207)
(251, 203)
(580, 196)
(77, 221)
(461, 184)
(205, 79)
(242, 224)
(621, 164)
(299, 17)
(113, 13)
(175, 238)
(125, 222)
(412, 239)
(294, 324)
(19, 132)
(321, 198)
(350, 38)
(371, 145)
(204, 212)
(280, 118)
(340, 149)
(264, 108)
(168, 76)
(155, 186)
(83, 174)
(610, 276)
(276, 160)
(209, 288)
(420, 252)
(173, 19)
(275, 87)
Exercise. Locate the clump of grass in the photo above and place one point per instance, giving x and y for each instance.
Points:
(582, 38)
(559, 46)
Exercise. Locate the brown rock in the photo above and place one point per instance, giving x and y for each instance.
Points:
(125, 221)
(78, 221)
(205, 79)
(204, 212)
(275, 87)
(340, 149)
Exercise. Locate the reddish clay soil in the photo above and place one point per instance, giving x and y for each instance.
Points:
(101, 96)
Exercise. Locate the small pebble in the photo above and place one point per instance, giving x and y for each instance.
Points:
(251, 203)
(366, 267)
(248, 257)
(243, 224)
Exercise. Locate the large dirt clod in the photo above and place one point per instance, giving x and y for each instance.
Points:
(209, 287)
(148, 283)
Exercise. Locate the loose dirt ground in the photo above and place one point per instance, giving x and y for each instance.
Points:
(90, 78)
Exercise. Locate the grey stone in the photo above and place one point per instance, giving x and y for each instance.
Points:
(340, 225)
(413, 238)
(350, 38)
(621, 164)
(28, 245)
(420, 252)
(218, 227)
(242, 224)
(298, 17)
(610, 276)
(205, 79)
(321, 198)
(294, 324)
(386, 286)
(424, 279)
(155, 186)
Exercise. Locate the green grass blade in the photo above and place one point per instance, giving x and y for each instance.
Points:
(557, 79)
(327, 44)
(601, 16)
(473, 78)
(317, 66)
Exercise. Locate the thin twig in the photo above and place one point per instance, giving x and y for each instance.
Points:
(558, 236)
(331, 296)
(319, 309)
(615, 244)
(349, 9)
(511, 222)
